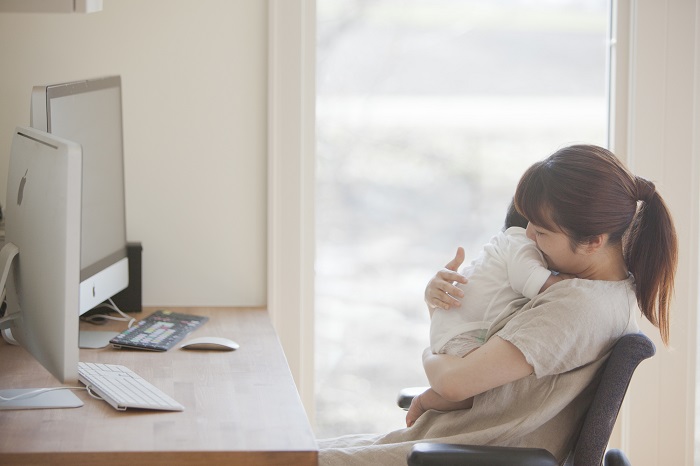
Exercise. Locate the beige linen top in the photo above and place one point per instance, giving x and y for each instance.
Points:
(566, 334)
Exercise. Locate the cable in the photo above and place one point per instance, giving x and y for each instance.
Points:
(92, 394)
(38, 392)
(128, 318)
(97, 318)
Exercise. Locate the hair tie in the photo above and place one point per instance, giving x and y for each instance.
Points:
(645, 189)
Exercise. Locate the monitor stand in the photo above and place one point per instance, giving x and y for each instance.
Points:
(93, 339)
(62, 398)
(54, 399)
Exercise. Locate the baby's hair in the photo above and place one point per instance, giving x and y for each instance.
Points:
(514, 218)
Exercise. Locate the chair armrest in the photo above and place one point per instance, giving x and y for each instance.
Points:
(406, 396)
(427, 454)
(616, 457)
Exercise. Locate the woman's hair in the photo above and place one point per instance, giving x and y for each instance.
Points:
(585, 191)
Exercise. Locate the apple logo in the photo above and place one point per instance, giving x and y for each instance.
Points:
(20, 192)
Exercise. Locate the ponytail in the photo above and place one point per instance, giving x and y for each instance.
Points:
(651, 255)
(586, 191)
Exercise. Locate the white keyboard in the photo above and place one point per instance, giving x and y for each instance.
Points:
(123, 388)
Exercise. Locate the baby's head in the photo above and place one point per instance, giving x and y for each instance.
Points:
(513, 218)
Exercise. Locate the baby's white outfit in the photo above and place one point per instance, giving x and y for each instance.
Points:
(509, 268)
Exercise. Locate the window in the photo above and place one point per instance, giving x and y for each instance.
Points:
(428, 112)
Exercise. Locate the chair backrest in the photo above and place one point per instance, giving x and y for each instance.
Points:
(598, 424)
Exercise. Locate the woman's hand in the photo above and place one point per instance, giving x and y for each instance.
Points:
(441, 291)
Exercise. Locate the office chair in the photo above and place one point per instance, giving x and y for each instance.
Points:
(590, 447)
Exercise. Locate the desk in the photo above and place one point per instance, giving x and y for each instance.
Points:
(241, 407)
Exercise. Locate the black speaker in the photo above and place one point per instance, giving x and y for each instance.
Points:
(129, 299)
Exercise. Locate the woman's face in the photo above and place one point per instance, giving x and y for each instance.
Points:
(556, 249)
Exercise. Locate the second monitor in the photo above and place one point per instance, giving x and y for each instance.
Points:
(89, 112)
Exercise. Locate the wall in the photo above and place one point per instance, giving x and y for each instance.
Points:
(656, 128)
(194, 77)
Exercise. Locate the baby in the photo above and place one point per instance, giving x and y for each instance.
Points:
(509, 268)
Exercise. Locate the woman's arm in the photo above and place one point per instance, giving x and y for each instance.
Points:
(496, 363)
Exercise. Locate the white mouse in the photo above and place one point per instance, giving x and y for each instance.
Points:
(210, 343)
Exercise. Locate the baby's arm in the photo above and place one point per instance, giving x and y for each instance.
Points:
(556, 279)
(429, 399)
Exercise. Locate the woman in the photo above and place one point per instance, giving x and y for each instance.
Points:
(530, 384)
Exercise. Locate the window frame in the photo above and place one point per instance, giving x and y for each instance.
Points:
(655, 62)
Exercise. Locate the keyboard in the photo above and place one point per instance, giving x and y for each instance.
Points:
(159, 331)
(123, 388)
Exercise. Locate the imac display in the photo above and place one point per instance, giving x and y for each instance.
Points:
(90, 113)
(40, 259)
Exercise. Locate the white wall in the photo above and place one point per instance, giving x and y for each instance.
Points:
(658, 132)
(194, 77)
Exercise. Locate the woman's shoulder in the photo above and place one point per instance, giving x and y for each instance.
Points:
(577, 321)
(593, 296)
(579, 286)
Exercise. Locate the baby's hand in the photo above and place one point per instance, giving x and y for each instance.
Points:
(414, 411)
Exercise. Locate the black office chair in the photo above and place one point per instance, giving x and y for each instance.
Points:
(591, 445)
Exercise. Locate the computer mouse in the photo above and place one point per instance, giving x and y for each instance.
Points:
(210, 343)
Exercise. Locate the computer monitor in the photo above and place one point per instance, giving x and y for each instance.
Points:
(89, 112)
(40, 260)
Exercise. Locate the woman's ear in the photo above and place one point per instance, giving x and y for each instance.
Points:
(595, 243)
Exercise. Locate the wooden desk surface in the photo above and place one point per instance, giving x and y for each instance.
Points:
(241, 407)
